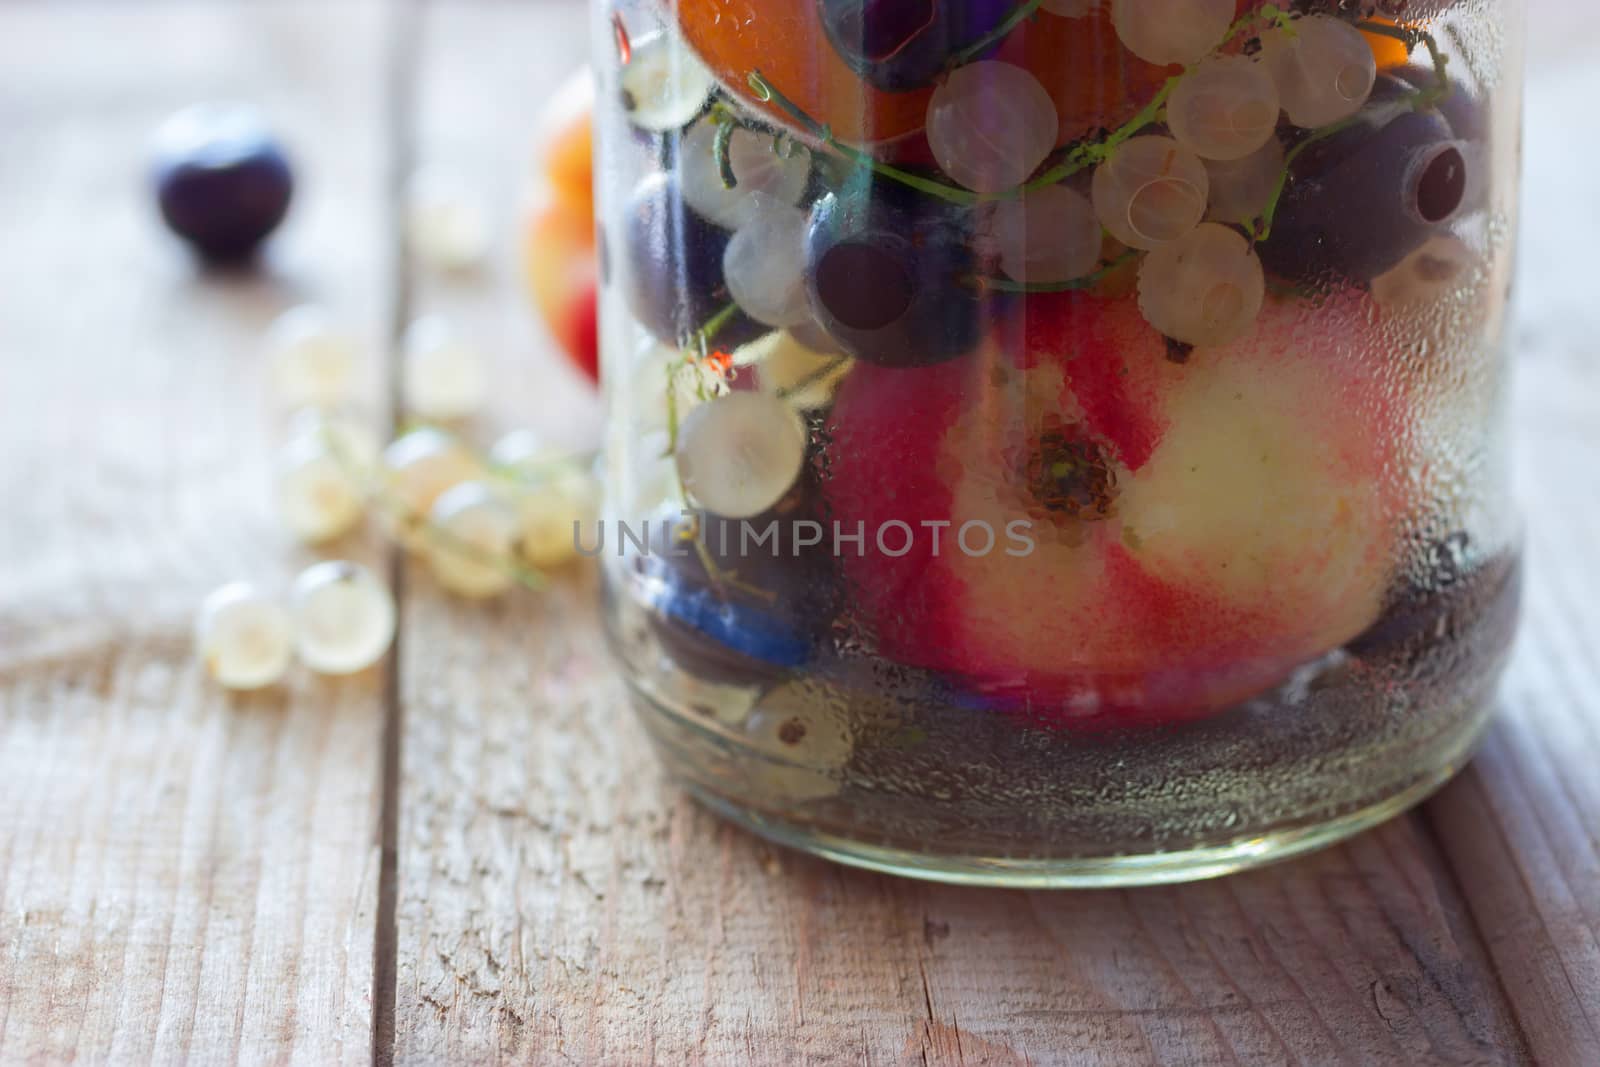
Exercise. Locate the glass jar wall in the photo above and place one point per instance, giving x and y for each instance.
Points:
(1058, 442)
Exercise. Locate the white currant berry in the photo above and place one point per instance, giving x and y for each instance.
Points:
(1324, 68)
(760, 164)
(1171, 31)
(1150, 191)
(474, 537)
(764, 264)
(344, 617)
(1442, 266)
(805, 744)
(1205, 289)
(664, 85)
(313, 362)
(244, 638)
(417, 469)
(788, 369)
(740, 454)
(1046, 235)
(1225, 107)
(990, 125)
(349, 439)
(521, 453)
(319, 497)
(1242, 188)
(547, 513)
(442, 375)
(447, 226)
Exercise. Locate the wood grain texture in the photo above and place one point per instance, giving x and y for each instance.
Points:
(184, 875)
(188, 876)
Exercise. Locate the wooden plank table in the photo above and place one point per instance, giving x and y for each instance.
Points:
(470, 855)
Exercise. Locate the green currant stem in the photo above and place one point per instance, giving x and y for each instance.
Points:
(1023, 12)
(1088, 281)
(1087, 155)
(821, 374)
(431, 530)
(701, 338)
(766, 93)
(719, 151)
(1425, 98)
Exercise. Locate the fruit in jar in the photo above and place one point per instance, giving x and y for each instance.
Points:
(763, 170)
(898, 45)
(1324, 68)
(1171, 31)
(672, 266)
(740, 454)
(662, 85)
(893, 282)
(1092, 81)
(1197, 530)
(990, 125)
(1046, 235)
(1150, 190)
(1226, 107)
(222, 180)
(769, 602)
(1205, 288)
(1359, 201)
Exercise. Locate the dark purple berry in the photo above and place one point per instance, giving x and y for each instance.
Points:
(672, 274)
(894, 283)
(1361, 200)
(899, 45)
(771, 606)
(221, 179)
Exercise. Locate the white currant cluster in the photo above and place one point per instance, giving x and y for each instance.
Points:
(1200, 283)
(481, 522)
(339, 619)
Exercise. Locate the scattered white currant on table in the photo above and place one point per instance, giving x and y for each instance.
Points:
(1150, 191)
(417, 469)
(1225, 107)
(313, 362)
(664, 85)
(761, 168)
(1242, 188)
(350, 439)
(244, 638)
(320, 497)
(990, 125)
(764, 265)
(1205, 289)
(1171, 31)
(546, 514)
(740, 454)
(442, 375)
(1050, 234)
(344, 617)
(1323, 67)
(446, 223)
(474, 535)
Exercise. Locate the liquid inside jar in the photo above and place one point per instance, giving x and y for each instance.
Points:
(1062, 443)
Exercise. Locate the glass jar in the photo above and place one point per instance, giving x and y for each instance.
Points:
(1056, 442)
